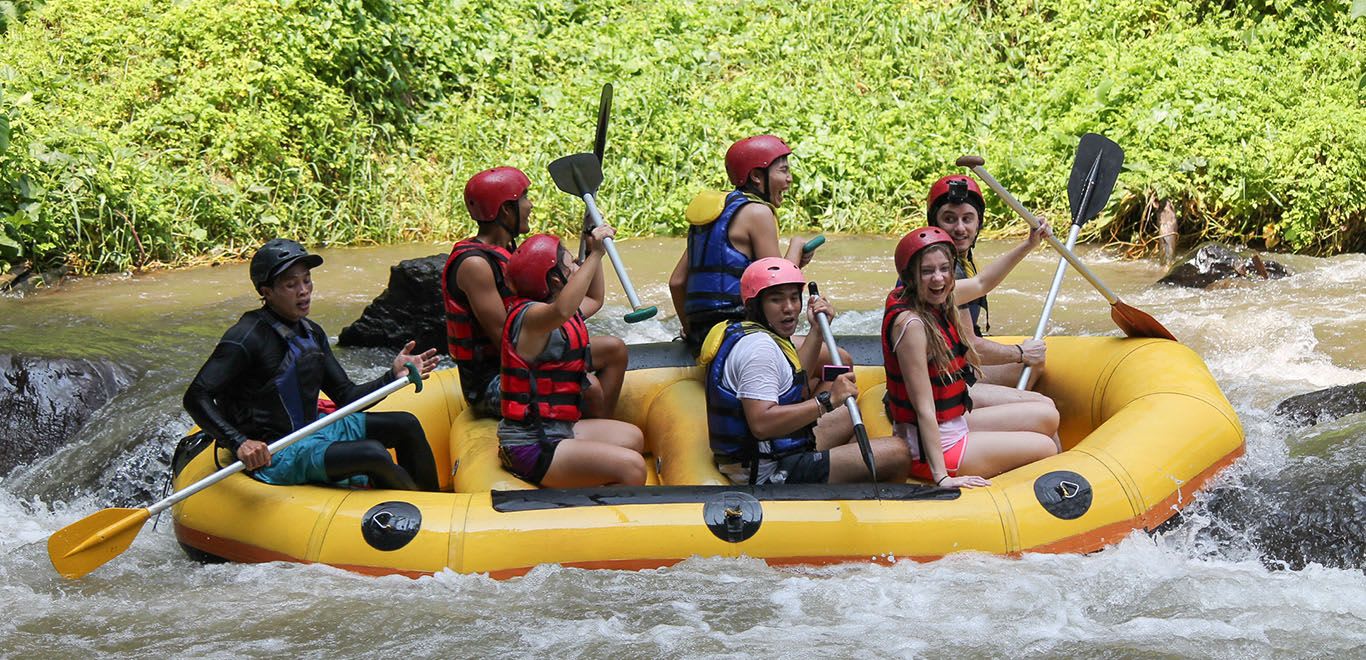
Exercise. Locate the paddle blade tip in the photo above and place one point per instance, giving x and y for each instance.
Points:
(642, 314)
(970, 161)
(87, 544)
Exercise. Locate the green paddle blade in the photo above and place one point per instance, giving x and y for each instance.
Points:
(577, 174)
(641, 314)
(88, 543)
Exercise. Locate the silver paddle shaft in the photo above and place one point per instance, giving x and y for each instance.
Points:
(829, 337)
(1042, 328)
(276, 446)
(611, 248)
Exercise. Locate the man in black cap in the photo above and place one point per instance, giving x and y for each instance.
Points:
(263, 379)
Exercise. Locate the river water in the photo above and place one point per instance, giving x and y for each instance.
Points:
(1267, 562)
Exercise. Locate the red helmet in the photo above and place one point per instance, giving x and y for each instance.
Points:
(768, 272)
(917, 240)
(947, 190)
(487, 191)
(752, 153)
(529, 268)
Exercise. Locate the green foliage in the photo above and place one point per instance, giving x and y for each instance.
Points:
(135, 132)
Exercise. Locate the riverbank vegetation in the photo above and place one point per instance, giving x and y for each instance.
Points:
(137, 133)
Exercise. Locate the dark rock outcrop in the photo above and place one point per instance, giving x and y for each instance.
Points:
(43, 402)
(1323, 405)
(410, 308)
(1212, 262)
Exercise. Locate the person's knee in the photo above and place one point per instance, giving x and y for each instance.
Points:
(609, 351)
(635, 438)
(630, 469)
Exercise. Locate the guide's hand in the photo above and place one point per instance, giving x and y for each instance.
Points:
(254, 454)
(425, 361)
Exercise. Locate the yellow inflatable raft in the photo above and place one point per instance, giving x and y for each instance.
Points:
(1144, 426)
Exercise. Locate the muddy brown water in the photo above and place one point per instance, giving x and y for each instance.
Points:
(1267, 562)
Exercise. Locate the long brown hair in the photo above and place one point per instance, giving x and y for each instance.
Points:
(940, 351)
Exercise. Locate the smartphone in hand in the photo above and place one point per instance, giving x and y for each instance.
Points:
(833, 371)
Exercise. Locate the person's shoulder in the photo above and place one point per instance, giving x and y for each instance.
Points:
(756, 213)
(758, 345)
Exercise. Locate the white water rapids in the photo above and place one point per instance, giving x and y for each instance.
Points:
(1233, 577)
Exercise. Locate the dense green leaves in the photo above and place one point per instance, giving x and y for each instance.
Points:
(142, 132)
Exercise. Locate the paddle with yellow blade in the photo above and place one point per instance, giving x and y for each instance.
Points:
(1094, 172)
(88, 543)
(1134, 322)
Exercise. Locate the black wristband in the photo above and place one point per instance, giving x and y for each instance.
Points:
(1020, 348)
(941, 480)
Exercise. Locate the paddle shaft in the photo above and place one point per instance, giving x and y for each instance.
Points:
(1034, 223)
(1048, 302)
(288, 440)
(860, 432)
(611, 248)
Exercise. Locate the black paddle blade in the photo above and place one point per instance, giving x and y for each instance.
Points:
(604, 110)
(1098, 163)
(577, 174)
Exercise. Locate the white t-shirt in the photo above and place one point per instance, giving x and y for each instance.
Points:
(756, 369)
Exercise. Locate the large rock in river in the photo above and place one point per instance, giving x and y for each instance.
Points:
(1213, 262)
(1324, 405)
(43, 402)
(410, 308)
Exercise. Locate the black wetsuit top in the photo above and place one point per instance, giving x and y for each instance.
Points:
(235, 396)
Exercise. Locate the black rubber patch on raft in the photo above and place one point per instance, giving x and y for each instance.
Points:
(390, 525)
(733, 516)
(1064, 494)
(507, 501)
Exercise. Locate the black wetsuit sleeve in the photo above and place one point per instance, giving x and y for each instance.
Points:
(220, 374)
(337, 384)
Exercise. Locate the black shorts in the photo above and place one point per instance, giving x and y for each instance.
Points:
(812, 467)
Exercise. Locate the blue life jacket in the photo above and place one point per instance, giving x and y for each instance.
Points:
(299, 376)
(715, 266)
(731, 439)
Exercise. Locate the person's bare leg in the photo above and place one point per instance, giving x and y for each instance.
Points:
(890, 454)
(1041, 418)
(991, 453)
(609, 365)
(583, 463)
(610, 432)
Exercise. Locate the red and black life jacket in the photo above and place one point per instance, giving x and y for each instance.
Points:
(465, 339)
(950, 386)
(545, 390)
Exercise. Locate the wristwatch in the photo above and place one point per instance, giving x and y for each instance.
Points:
(823, 398)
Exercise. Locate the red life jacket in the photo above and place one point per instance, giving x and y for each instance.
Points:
(545, 390)
(465, 338)
(949, 386)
